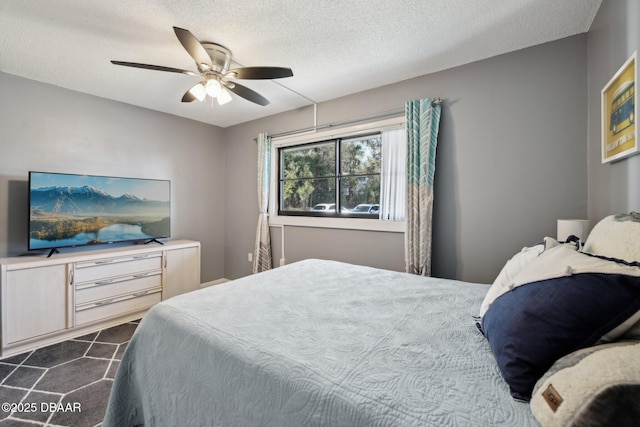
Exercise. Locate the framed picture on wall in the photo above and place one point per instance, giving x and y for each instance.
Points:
(619, 101)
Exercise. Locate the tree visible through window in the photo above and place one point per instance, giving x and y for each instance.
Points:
(339, 177)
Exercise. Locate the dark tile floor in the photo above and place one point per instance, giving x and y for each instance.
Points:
(65, 384)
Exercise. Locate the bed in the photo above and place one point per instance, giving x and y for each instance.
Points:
(324, 343)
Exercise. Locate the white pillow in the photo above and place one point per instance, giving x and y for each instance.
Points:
(512, 268)
(616, 236)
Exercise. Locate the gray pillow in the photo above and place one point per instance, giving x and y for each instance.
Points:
(595, 386)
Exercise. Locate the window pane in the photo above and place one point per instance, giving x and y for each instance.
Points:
(302, 195)
(310, 161)
(360, 194)
(361, 156)
(309, 180)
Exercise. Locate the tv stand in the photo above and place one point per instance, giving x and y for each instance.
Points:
(153, 240)
(52, 251)
(48, 300)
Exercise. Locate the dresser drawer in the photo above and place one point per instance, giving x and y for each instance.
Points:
(110, 288)
(115, 307)
(119, 266)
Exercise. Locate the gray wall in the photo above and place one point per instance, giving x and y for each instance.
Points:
(613, 37)
(511, 161)
(47, 128)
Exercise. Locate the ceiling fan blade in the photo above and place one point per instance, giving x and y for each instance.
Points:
(261, 72)
(155, 67)
(248, 94)
(193, 47)
(188, 96)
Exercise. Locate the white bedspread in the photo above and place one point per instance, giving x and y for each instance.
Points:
(315, 343)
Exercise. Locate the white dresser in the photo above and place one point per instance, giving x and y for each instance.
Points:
(47, 300)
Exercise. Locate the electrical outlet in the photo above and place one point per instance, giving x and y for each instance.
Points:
(250, 257)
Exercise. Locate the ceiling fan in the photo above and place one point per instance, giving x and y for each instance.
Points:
(213, 62)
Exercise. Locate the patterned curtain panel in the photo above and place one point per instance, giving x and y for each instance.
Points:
(423, 121)
(262, 254)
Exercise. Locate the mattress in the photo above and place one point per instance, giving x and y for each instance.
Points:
(315, 343)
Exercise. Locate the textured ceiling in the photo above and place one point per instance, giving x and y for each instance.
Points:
(334, 47)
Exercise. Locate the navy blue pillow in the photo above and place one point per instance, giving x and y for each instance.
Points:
(533, 325)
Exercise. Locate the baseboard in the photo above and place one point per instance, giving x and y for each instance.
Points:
(214, 282)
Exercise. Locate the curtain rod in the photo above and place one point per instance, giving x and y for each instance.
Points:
(391, 113)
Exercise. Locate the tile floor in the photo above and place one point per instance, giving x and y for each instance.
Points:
(65, 384)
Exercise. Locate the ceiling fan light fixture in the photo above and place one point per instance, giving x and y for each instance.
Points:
(224, 97)
(199, 92)
(213, 88)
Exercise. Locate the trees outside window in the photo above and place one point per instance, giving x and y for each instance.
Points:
(339, 177)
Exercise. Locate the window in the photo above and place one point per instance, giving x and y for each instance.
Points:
(337, 177)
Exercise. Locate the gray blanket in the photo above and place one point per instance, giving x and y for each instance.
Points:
(315, 343)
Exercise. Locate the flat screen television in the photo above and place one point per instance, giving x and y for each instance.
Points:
(69, 210)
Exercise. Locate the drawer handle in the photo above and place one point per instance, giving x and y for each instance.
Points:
(105, 282)
(105, 302)
(139, 294)
(104, 261)
(140, 256)
(137, 276)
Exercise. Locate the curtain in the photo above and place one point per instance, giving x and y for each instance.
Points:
(423, 121)
(262, 254)
(393, 175)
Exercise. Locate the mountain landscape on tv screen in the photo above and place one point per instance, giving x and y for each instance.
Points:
(70, 216)
(88, 200)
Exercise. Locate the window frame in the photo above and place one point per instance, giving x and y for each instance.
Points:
(338, 177)
(327, 221)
